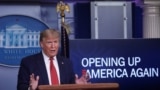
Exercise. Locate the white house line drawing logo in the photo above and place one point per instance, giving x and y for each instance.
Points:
(17, 36)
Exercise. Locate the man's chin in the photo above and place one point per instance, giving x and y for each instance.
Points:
(53, 54)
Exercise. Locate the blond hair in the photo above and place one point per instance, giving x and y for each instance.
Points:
(49, 32)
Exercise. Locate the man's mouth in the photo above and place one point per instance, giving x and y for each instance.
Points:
(52, 50)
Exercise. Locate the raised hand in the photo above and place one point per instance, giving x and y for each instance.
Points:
(83, 79)
(33, 82)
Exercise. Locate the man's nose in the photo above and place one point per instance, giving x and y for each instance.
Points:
(53, 45)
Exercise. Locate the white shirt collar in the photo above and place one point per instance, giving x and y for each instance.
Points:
(46, 57)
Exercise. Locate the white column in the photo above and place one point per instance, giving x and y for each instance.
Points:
(151, 19)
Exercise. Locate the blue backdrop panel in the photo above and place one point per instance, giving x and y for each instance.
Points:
(133, 63)
(19, 38)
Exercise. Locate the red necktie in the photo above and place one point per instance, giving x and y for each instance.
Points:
(54, 77)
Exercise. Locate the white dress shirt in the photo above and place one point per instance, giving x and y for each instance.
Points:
(47, 64)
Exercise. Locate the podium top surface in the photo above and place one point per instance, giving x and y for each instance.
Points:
(98, 86)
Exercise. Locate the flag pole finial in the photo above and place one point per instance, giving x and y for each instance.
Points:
(61, 8)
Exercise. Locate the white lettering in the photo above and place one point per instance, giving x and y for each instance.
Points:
(133, 61)
(100, 62)
(107, 73)
(146, 72)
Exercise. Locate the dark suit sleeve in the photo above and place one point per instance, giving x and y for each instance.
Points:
(23, 76)
(67, 75)
(32, 64)
(72, 74)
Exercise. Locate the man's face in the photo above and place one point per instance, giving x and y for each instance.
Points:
(50, 46)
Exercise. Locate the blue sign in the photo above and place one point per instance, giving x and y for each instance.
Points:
(133, 63)
(19, 37)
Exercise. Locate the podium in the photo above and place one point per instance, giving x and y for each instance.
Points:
(94, 86)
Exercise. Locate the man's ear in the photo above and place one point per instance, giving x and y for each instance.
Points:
(41, 45)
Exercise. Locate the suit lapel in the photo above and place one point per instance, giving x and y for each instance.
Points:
(61, 69)
(42, 70)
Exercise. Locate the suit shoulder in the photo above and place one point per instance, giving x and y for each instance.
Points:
(31, 57)
(62, 58)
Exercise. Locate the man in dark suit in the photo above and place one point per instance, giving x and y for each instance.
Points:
(35, 69)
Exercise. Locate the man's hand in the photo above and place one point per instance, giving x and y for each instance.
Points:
(82, 80)
(33, 82)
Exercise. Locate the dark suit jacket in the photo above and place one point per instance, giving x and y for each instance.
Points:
(35, 64)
